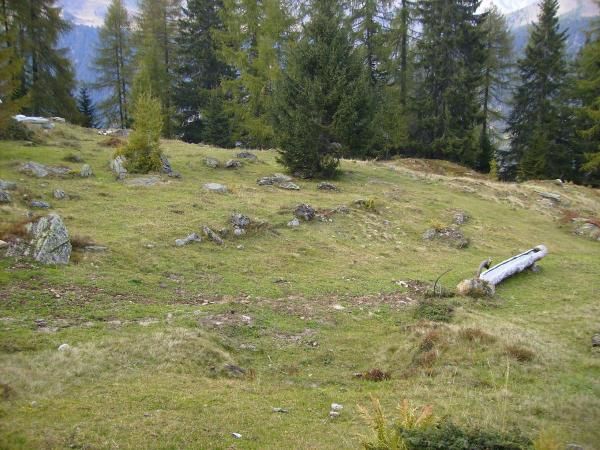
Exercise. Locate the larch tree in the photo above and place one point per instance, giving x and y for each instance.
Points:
(87, 109)
(113, 63)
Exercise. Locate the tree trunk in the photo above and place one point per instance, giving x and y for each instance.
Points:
(513, 265)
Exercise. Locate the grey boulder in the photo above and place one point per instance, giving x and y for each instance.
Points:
(117, 165)
(8, 185)
(86, 171)
(233, 164)
(239, 220)
(211, 162)
(59, 194)
(304, 212)
(39, 204)
(216, 187)
(47, 241)
(212, 235)
(247, 155)
(189, 238)
(5, 197)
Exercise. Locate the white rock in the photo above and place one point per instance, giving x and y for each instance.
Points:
(236, 435)
(64, 348)
(336, 407)
(294, 223)
(338, 307)
(216, 187)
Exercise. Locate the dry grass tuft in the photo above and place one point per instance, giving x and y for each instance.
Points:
(376, 375)
(80, 242)
(477, 335)
(113, 142)
(16, 230)
(519, 353)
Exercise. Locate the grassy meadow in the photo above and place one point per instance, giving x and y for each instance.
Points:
(179, 347)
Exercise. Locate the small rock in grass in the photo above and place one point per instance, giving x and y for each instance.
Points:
(336, 407)
(239, 220)
(189, 238)
(86, 171)
(59, 194)
(596, 340)
(288, 185)
(64, 348)
(247, 155)
(211, 162)
(39, 204)
(8, 185)
(305, 212)
(233, 164)
(280, 410)
(5, 197)
(550, 196)
(325, 186)
(117, 165)
(461, 218)
(212, 235)
(239, 231)
(475, 287)
(236, 435)
(3, 244)
(334, 414)
(338, 307)
(588, 230)
(293, 223)
(216, 187)
(95, 248)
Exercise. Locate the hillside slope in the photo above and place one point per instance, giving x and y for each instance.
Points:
(179, 347)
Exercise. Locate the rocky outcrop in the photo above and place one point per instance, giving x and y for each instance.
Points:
(233, 164)
(305, 212)
(86, 171)
(117, 165)
(47, 241)
(41, 171)
(211, 162)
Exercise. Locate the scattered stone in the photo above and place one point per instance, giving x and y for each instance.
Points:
(247, 155)
(289, 186)
(59, 194)
(239, 220)
(5, 197)
(588, 230)
(234, 371)
(325, 186)
(451, 235)
(189, 238)
(273, 179)
(305, 212)
(86, 171)
(211, 162)
(236, 435)
(550, 196)
(8, 185)
(64, 347)
(39, 204)
(117, 165)
(293, 223)
(239, 231)
(233, 164)
(460, 218)
(143, 181)
(336, 407)
(334, 414)
(212, 235)
(40, 171)
(338, 307)
(596, 340)
(48, 241)
(3, 244)
(475, 287)
(558, 182)
(280, 410)
(342, 209)
(216, 187)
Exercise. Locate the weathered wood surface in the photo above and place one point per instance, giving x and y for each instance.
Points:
(513, 265)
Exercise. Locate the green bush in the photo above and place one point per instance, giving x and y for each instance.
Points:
(16, 131)
(448, 436)
(142, 150)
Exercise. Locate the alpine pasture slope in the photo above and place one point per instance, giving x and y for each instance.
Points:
(179, 347)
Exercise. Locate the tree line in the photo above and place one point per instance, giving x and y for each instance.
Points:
(326, 79)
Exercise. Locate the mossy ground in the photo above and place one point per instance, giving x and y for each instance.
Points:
(153, 329)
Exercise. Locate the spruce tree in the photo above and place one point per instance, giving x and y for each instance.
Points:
(254, 32)
(539, 125)
(198, 74)
(322, 102)
(113, 63)
(588, 94)
(47, 75)
(497, 71)
(11, 66)
(87, 109)
(449, 66)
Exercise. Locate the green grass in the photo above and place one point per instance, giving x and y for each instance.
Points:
(151, 329)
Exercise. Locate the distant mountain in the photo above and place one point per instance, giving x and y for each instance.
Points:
(90, 12)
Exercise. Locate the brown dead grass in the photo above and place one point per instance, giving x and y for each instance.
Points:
(519, 353)
(112, 141)
(477, 335)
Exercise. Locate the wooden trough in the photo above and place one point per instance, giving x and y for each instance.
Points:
(485, 282)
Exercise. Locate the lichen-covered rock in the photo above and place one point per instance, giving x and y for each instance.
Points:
(276, 178)
(233, 164)
(86, 171)
(117, 165)
(305, 212)
(475, 287)
(7, 185)
(211, 162)
(186, 240)
(239, 220)
(212, 235)
(325, 186)
(40, 171)
(288, 185)
(5, 197)
(293, 223)
(47, 241)
(39, 204)
(588, 230)
(59, 194)
(216, 187)
(460, 218)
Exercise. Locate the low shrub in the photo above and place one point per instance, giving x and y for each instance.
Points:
(435, 310)
(16, 131)
(519, 353)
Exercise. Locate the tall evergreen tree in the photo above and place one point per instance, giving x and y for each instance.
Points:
(588, 93)
(323, 104)
(11, 66)
(157, 29)
(198, 74)
(497, 71)
(113, 63)
(539, 125)
(87, 108)
(253, 35)
(450, 57)
(47, 75)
